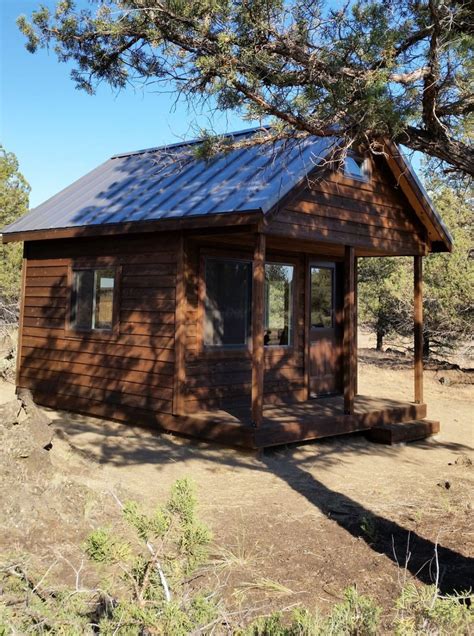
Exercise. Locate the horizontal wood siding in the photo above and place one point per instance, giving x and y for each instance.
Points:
(373, 215)
(223, 379)
(102, 373)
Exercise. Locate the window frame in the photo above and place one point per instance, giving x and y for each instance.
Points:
(365, 168)
(331, 266)
(225, 351)
(221, 349)
(291, 344)
(96, 334)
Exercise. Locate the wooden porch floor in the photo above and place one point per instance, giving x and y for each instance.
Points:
(289, 423)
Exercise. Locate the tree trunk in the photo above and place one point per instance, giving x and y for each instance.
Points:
(379, 341)
(426, 346)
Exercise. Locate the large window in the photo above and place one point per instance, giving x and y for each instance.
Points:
(278, 304)
(92, 306)
(228, 302)
(322, 297)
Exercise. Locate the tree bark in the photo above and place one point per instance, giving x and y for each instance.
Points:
(379, 341)
(426, 346)
(452, 151)
(418, 327)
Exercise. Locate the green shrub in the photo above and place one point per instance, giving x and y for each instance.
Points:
(144, 590)
(421, 610)
(357, 615)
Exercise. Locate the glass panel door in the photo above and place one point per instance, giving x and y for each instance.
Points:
(324, 358)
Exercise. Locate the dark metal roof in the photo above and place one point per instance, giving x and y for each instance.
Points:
(170, 182)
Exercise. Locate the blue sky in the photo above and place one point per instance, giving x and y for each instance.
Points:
(59, 133)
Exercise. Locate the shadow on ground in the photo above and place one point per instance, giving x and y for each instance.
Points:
(430, 563)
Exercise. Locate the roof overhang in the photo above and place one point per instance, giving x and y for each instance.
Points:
(439, 239)
(205, 221)
(438, 234)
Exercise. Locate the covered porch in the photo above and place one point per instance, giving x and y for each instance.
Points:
(347, 402)
(260, 423)
(290, 423)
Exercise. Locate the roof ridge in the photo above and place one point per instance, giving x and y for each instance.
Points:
(182, 144)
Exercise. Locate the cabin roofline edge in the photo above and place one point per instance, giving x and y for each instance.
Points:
(227, 191)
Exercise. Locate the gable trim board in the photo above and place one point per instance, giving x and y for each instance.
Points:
(168, 188)
(441, 240)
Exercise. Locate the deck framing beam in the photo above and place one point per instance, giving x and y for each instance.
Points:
(258, 352)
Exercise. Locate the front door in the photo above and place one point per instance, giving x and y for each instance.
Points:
(324, 347)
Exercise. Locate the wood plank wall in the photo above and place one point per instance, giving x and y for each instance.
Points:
(132, 376)
(121, 377)
(223, 379)
(374, 215)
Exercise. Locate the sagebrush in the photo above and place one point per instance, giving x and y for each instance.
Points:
(145, 569)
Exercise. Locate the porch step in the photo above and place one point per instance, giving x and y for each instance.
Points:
(403, 432)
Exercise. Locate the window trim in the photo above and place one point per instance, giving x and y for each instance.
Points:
(365, 166)
(332, 267)
(232, 351)
(73, 332)
(291, 344)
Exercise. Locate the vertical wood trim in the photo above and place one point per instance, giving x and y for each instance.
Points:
(180, 332)
(258, 353)
(69, 283)
(349, 331)
(418, 326)
(201, 289)
(24, 265)
(356, 324)
(307, 326)
(117, 299)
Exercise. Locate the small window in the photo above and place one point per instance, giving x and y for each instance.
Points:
(356, 168)
(92, 306)
(228, 303)
(278, 304)
(322, 297)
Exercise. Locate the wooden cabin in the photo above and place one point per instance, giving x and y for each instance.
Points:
(217, 299)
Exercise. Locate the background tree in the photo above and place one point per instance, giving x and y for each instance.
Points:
(371, 70)
(449, 278)
(386, 285)
(382, 295)
(14, 195)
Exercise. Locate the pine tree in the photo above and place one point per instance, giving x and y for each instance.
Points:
(369, 70)
(386, 284)
(14, 195)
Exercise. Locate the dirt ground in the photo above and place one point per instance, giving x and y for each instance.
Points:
(294, 525)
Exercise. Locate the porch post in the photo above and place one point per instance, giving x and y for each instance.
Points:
(356, 324)
(180, 332)
(258, 353)
(349, 343)
(307, 326)
(418, 326)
